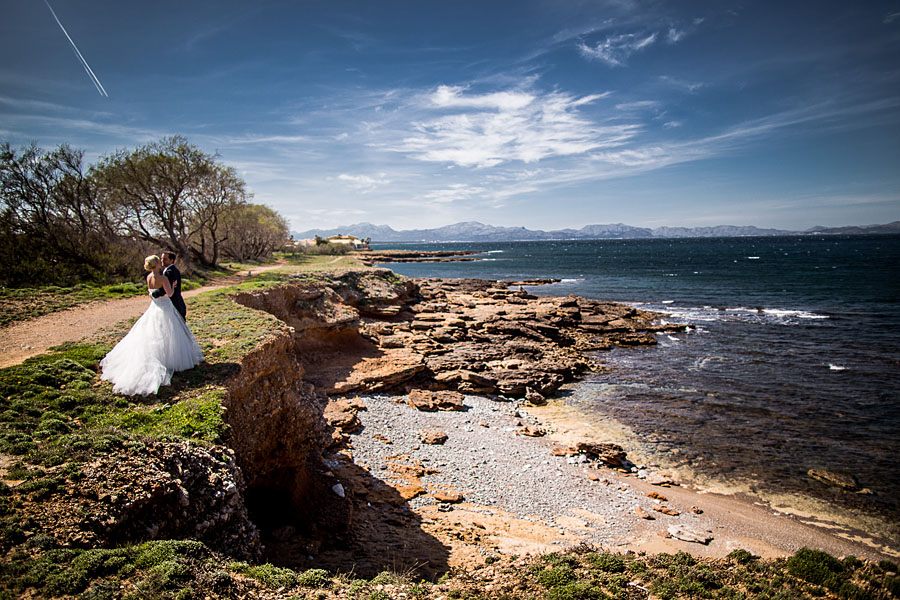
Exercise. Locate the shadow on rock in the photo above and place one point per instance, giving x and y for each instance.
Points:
(384, 533)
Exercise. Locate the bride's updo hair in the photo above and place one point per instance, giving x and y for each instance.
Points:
(151, 262)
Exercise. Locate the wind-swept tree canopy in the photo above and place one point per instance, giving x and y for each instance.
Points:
(54, 226)
(62, 222)
(253, 231)
(171, 194)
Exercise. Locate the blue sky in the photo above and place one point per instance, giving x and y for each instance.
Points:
(542, 113)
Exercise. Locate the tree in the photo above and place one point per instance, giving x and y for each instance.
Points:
(171, 194)
(253, 232)
(54, 225)
(224, 192)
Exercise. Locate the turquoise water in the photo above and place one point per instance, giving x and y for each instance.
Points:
(792, 360)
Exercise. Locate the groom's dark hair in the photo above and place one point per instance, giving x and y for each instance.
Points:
(170, 255)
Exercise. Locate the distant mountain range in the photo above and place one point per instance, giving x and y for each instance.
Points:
(473, 231)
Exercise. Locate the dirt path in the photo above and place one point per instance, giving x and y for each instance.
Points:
(36, 336)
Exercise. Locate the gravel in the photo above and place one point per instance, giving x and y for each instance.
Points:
(493, 466)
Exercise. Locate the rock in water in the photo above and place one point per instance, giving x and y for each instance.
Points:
(836, 478)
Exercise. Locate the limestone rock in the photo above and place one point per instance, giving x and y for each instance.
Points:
(432, 436)
(341, 414)
(689, 535)
(643, 514)
(448, 496)
(611, 454)
(666, 510)
(408, 492)
(534, 397)
(532, 431)
(385, 372)
(431, 401)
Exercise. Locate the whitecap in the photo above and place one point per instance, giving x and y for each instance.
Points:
(752, 258)
(570, 280)
(833, 367)
(799, 314)
(668, 301)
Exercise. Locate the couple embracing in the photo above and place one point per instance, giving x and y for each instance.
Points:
(160, 342)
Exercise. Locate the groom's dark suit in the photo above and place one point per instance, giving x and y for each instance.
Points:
(174, 276)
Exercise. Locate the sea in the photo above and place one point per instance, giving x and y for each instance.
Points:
(791, 359)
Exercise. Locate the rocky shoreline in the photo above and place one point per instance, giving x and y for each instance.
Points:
(446, 448)
(375, 423)
(370, 257)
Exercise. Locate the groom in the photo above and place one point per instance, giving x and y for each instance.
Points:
(174, 276)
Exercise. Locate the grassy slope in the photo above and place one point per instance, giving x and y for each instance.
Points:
(55, 415)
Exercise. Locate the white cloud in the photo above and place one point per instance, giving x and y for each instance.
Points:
(615, 50)
(507, 126)
(364, 183)
(681, 84)
(637, 105)
(452, 97)
(267, 139)
(455, 193)
(675, 35)
(672, 124)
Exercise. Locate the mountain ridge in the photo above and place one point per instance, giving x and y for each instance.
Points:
(474, 231)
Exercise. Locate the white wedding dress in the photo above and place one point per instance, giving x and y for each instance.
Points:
(159, 344)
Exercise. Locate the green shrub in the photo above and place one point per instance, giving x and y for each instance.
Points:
(607, 562)
(268, 574)
(887, 565)
(314, 578)
(892, 585)
(556, 576)
(577, 591)
(815, 566)
(741, 557)
(356, 586)
(556, 559)
(850, 591)
(151, 554)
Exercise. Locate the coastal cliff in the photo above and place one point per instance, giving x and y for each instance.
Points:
(269, 452)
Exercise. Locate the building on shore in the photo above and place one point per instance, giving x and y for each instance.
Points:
(350, 240)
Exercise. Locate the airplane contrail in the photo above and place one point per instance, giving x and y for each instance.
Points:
(87, 67)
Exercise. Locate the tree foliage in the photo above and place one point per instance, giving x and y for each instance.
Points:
(54, 225)
(171, 194)
(62, 222)
(253, 232)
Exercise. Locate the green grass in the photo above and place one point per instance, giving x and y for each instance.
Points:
(321, 262)
(22, 304)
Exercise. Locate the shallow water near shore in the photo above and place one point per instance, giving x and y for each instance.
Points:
(791, 361)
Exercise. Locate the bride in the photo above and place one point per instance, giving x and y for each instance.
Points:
(158, 344)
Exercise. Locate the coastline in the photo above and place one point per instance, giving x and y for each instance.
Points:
(388, 446)
(550, 504)
(333, 429)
